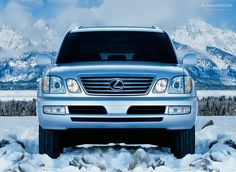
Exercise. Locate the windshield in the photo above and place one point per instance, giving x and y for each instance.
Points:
(116, 46)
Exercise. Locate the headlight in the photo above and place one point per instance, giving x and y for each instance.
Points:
(160, 86)
(73, 86)
(180, 85)
(53, 84)
(177, 85)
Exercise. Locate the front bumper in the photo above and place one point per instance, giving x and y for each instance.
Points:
(117, 108)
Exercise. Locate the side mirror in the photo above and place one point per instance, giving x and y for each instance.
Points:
(190, 59)
(43, 60)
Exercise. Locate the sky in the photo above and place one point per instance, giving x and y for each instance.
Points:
(61, 15)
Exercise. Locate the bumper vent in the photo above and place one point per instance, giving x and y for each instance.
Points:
(156, 119)
(117, 85)
(87, 110)
(146, 110)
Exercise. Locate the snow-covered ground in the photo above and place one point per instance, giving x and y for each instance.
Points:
(32, 94)
(215, 151)
(18, 94)
(216, 93)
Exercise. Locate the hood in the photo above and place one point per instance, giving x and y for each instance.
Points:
(74, 70)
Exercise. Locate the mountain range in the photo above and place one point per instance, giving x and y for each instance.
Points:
(214, 47)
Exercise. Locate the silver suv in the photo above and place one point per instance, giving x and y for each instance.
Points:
(117, 84)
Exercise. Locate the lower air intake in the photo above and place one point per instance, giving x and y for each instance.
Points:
(146, 110)
(87, 110)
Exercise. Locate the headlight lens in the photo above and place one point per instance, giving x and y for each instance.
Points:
(180, 85)
(160, 86)
(53, 84)
(73, 86)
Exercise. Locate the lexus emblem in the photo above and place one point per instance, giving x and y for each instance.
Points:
(117, 85)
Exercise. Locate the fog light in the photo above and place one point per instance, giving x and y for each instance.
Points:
(57, 110)
(178, 110)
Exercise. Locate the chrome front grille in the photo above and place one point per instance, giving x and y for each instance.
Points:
(116, 85)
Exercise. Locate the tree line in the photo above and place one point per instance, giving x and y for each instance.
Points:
(18, 108)
(217, 106)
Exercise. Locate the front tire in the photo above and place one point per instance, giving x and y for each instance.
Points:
(50, 142)
(183, 142)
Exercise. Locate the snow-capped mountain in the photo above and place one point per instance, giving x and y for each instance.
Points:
(18, 52)
(198, 34)
(215, 68)
(12, 42)
(38, 37)
(22, 72)
(214, 47)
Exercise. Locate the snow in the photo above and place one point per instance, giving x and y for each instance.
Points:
(215, 93)
(18, 94)
(13, 42)
(40, 36)
(215, 151)
(199, 34)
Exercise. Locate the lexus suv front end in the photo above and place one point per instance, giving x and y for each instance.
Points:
(117, 78)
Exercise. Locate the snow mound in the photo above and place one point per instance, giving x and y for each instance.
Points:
(215, 151)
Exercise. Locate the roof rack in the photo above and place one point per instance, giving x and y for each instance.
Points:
(150, 27)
